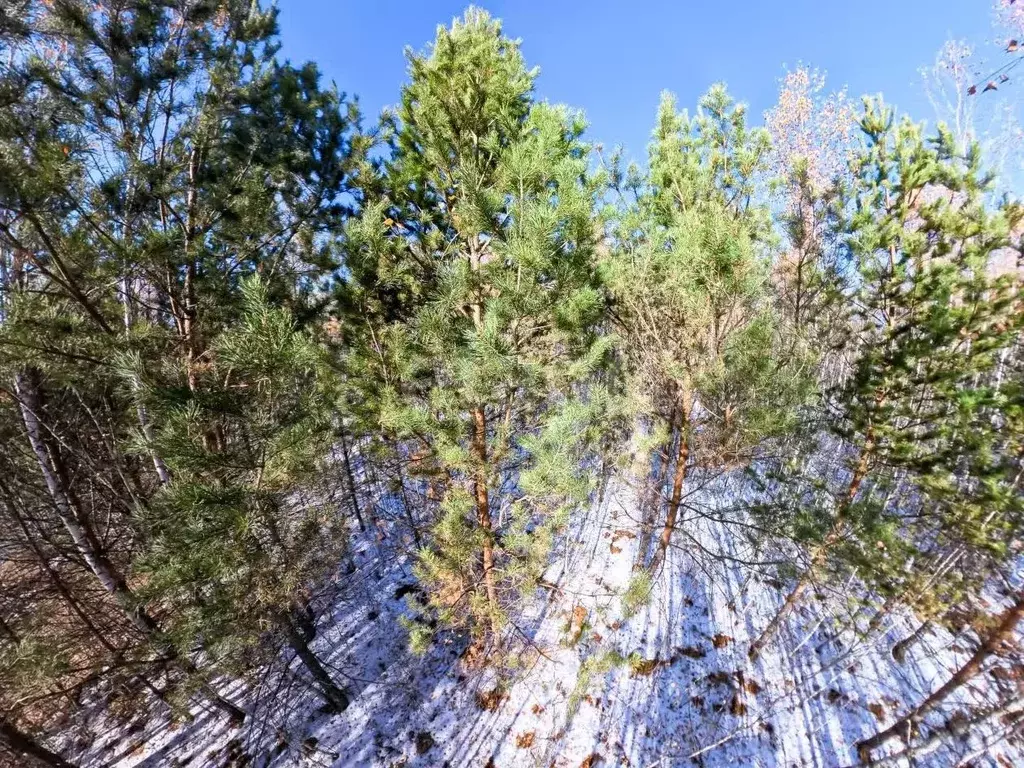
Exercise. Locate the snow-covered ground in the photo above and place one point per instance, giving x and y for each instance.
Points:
(670, 685)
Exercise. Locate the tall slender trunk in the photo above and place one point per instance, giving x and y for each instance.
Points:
(1004, 632)
(328, 689)
(820, 557)
(62, 589)
(85, 541)
(483, 512)
(162, 472)
(235, 713)
(24, 746)
(51, 574)
(305, 619)
(678, 479)
(407, 509)
(651, 500)
(51, 467)
(479, 450)
(353, 493)
(1006, 717)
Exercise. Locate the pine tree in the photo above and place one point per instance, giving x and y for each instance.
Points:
(473, 278)
(228, 546)
(928, 322)
(688, 283)
(151, 156)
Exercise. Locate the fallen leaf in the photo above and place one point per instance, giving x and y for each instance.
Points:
(736, 706)
(490, 700)
(647, 666)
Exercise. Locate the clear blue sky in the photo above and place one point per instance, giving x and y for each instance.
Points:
(612, 59)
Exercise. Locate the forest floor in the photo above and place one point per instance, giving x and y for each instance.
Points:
(670, 685)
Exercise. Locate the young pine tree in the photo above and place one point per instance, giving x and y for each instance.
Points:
(151, 155)
(475, 303)
(928, 322)
(232, 549)
(688, 284)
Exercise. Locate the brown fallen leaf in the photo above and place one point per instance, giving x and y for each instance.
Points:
(647, 666)
(490, 700)
(736, 706)
(718, 678)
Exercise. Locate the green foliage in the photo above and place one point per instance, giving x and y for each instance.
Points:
(205, 276)
(229, 547)
(689, 283)
(154, 157)
(592, 670)
(922, 412)
(420, 636)
(474, 301)
(637, 594)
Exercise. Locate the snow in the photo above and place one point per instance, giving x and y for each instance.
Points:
(689, 697)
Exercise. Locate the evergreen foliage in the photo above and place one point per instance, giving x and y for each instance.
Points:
(690, 292)
(918, 415)
(253, 358)
(474, 273)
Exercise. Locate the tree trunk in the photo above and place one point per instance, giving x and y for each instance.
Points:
(678, 478)
(353, 493)
(651, 501)
(821, 554)
(48, 458)
(25, 746)
(162, 472)
(483, 512)
(791, 601)
(1010, 718)
(335, 697)
(52, 575)
(62, 589)
(235, 713)
(305, 621)
(1004, 632)
(479, 449)
(88, 547)
(407, 509)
